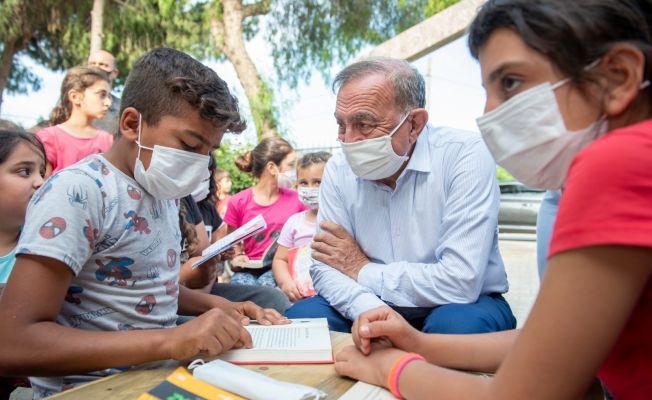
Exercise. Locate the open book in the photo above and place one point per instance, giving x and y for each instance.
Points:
(252, 227)
(304, 341)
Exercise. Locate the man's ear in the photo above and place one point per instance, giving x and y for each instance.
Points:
(418, 118)
(114, 74)
(129, 124)
(622, 68)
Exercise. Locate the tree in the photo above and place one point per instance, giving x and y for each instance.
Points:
(97, 21)
(303, 34)
(34, 28)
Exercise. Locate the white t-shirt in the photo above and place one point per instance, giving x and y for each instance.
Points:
(121, 244)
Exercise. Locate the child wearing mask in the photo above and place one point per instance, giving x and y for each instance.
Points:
(95, 286)
(270, 162)
(298, 231)
(568, 106)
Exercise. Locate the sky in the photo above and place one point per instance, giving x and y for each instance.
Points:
(455, 96)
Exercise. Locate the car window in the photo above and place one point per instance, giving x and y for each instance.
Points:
(505, 189)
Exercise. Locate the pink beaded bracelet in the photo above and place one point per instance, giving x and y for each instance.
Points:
(397, 368)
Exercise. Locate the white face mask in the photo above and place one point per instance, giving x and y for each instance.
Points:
(202, 191)
(172, 173)
(287, 179)
(526, 135)
(309, 196)
(375, 158)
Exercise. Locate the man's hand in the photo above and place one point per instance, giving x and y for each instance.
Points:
(336, 248)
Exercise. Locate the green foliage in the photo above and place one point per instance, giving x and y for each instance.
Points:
(225, 157)
(503, 175)
(319, 33)
(34, 28)
(435, 6)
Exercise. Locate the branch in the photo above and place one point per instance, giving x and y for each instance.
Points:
(261, 7)
(217, 32)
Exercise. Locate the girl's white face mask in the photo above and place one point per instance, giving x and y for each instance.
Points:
(526, 135)
(374, 159)
(172, 173)
(309, 196)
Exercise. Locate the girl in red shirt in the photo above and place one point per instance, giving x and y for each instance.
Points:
(568, 105)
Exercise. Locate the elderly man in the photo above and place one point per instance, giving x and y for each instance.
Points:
(105, 61)
(408, 213)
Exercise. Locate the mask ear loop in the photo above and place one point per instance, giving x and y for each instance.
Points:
(140, 117)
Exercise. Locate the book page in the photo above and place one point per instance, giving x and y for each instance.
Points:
(301, 334)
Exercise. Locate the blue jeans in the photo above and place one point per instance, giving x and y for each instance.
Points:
(490, 313)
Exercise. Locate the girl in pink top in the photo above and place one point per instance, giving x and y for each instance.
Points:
(270, 161)
(85, 97)
(299, 229)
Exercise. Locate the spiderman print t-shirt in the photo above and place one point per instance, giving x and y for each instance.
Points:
(121, 244)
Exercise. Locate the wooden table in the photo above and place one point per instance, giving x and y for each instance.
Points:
(131, 384)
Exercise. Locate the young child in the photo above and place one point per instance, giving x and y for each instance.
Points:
(269, 161)
(223, 184)
(299, 229)
(95, 286)
(85, 97)
(22, 167)
(568, 105)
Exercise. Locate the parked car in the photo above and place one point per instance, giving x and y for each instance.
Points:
(519, 206)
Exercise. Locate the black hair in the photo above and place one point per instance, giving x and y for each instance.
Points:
(10, 138)
(316, 157)
(273, 149)
(163, 77)
(572, 34)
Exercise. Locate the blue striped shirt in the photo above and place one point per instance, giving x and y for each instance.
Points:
(431, 241)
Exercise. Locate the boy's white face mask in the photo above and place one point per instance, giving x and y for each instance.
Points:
(374, 159)
(172, 173)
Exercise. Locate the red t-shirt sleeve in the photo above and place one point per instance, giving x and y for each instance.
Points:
(608, 194)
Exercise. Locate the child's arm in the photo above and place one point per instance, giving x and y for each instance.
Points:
(32, 343)
(586, 299)
(193, 302)
(282, 274)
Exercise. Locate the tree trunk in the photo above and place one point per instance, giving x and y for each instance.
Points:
(258, 94)
(97, 22)
(6, 59)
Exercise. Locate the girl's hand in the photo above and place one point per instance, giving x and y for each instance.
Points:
(228, 254)
(384, 323)
(373, 368)
(237, 261)
(289, 287)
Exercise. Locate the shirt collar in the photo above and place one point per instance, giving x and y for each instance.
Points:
(420, 159)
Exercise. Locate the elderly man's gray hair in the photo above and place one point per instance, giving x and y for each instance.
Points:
(409, 86)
